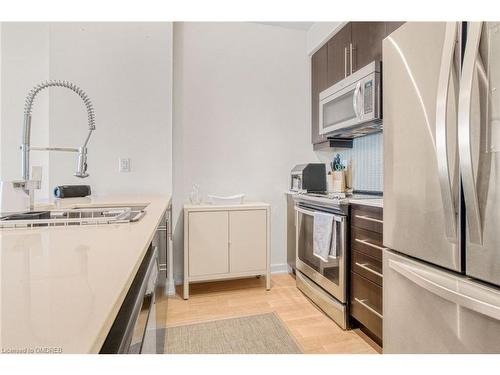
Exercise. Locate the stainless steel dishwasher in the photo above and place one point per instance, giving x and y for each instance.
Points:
(139, 327)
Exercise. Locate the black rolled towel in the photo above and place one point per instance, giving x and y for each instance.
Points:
(71, 191)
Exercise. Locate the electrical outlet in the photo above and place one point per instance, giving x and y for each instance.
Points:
(124, 165)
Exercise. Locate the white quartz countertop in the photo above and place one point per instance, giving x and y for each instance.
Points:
(62, 287)
(373, 202)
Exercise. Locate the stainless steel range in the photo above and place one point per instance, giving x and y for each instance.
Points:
(324, 282)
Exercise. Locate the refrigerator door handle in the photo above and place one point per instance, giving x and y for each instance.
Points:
(464, 132)
(433, 283)
(442, 134)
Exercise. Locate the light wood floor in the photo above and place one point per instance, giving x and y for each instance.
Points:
(314, 332)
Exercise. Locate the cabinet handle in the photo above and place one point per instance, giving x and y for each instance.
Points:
(350, 55)
(364, 242)
(369, 218)
(364, 304)
(345, 62)
(364, 266)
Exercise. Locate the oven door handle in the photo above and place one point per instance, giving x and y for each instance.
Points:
(311, 213)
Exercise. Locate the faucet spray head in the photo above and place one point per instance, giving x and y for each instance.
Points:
(81, 169)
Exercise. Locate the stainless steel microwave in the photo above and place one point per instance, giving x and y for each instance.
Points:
(352, 107)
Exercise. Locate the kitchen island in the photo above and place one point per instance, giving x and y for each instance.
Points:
(61, 287)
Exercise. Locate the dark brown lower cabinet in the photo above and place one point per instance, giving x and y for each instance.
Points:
(367, 266)
(366, 305)
(366, 276)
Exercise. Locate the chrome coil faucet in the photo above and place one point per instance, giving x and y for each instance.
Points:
(81, 170)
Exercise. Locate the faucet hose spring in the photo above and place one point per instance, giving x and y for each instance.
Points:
(28, 103)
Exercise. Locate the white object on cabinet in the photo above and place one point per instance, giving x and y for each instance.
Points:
(232, 199)
(226, 241)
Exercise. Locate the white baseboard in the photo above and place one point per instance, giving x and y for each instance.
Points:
(179, 280)
(171, 289)
(279, 268)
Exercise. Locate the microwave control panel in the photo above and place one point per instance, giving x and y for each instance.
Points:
(368, 97)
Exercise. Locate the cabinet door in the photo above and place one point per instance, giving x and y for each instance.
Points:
(247, 240)
(338, 55)
(318, 84)
(392, 26)
(208, 243)
(366, 43)
(366, 304)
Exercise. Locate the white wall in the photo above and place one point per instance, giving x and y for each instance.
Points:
(1, 103)
(319, 33)
(126, 69)
(24, 63)
(240, 116)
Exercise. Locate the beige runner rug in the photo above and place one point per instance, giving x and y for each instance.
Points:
(256, 334)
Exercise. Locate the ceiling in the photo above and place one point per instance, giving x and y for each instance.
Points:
(291, 25)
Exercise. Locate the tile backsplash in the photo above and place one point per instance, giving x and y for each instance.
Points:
(367, 161)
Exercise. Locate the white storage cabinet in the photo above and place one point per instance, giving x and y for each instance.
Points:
(224, 242)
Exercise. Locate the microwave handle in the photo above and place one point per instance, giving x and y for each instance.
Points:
(355, 99)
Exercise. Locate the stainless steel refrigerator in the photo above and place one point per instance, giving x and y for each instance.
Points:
(441, 108)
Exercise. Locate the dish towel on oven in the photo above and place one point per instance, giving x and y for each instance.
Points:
(322, 235)
(333, 247)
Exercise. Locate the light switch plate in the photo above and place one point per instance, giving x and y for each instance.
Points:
(124, 165)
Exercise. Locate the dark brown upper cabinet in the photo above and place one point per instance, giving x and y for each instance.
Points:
(338, 55)
(366, 43)
(318, 83)
(352, 47)
(391, 26)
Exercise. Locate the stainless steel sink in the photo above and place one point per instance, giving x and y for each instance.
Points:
(79, 215)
